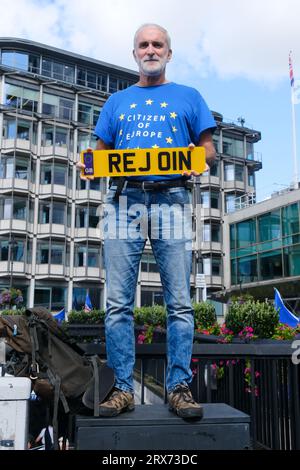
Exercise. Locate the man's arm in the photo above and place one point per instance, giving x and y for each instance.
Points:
(101, 145)
(206, 141)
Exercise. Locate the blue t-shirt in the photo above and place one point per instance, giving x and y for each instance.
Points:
(161, 116)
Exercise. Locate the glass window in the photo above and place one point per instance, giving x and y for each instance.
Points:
(58, 71)
(22, 170)
(102, 82)
(229, 171)
(249, 151)
(18, 250)
(44, 213)
(81, 217)
(215, 233)
(269, 226)
(206, 266)
(290, 220)
(151, 297)
(20, 209)
(93, 217)
(4, 250)
(80, 255)
(57, 252)
(83, 142)
(233, 266)
(239, 173)
(59, 174)
(47, 67)
(246, 233)
(81, 76)
(215, 169)
(65, 109)
(210, 232)
(251, 177)
(206, 233)
(93, 257)
(216, 266)
(270, 264)
(69, 74)
(247, 269)
(46, 172)
(58, 213)
(232, 229)
(58, 300)
(42, 297)
(21, 60)
(85, 113)
(91, 79)
(6, 167)
(43, 253)
(230, 202)
(148, 264)
(291, 256)
(215, 200)
(113, 84)
(233, 147)
(61, 137)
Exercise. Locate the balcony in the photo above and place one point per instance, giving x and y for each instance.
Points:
(7, 184)
(234, 185)
(55, 150)
(50, 270)
(6, 267)
(21, 145)
(84, 273)
(83, 233)
(51, 229)
(53, 190)
(13, 224)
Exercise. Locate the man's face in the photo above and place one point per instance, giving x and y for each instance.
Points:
(151, 51)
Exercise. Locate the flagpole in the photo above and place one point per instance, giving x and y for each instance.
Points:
(296, 174)
(296, 177)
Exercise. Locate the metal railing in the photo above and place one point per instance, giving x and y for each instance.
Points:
(258, 379)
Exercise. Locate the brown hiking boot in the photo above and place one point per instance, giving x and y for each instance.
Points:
(182, 403)
(117, 402)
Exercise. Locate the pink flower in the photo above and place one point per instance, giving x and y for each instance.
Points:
(141, 338)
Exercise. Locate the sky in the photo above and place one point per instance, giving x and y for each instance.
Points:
(235, 52)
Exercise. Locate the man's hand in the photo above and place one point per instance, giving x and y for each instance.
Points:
(191, 146)
(80, 166)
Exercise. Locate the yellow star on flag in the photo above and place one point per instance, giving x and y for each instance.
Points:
(149, 102)
(133, 105)
(169, 140)
(121, 132)
(121, 117)
(173, 115)
(163, 105)
(155, 146)
(174, 129)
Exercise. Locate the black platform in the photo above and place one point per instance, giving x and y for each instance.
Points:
(154, 427)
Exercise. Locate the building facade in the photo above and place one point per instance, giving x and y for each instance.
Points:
(50, 247)
(262, 246)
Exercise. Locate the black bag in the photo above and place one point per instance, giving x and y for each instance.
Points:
(57, 367)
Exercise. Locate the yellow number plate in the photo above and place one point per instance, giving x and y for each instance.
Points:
(138, 162)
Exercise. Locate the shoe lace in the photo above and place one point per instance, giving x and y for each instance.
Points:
(183, 393)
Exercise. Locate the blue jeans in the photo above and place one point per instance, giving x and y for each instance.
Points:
(127, 224)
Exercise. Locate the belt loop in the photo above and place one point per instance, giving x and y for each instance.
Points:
(143, 186)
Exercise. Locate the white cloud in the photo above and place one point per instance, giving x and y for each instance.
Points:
(232, 38)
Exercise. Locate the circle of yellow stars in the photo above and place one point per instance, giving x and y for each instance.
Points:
(149, 102)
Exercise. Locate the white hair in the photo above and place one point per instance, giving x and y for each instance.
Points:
(152, 25)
